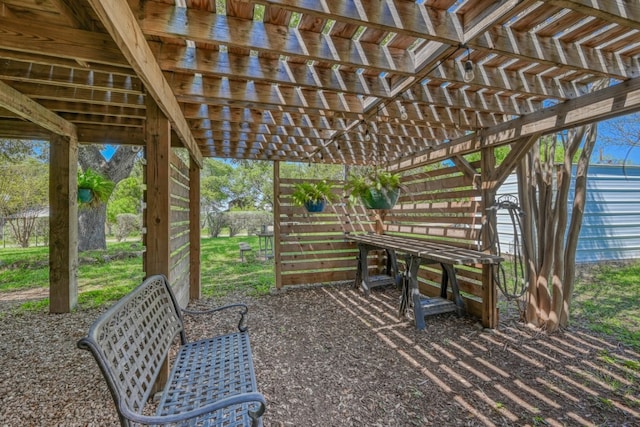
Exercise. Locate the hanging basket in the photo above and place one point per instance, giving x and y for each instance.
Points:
(314, 205)
(380, 199)
(85, 195)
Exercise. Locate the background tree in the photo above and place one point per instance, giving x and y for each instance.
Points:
(214, 193)
(91, 226)
(126, 197)
(24, 195)
(550, 240)
(14, 150)
(214, 185)
(251, 185)
(622, 131)
(312, 171)
(126, 224)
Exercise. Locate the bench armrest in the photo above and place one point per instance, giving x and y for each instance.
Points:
(206, 409)
(242, 327)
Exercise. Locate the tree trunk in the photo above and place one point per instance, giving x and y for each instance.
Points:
(544, 189)
(579, 201)
(91, 228)
(91, 225)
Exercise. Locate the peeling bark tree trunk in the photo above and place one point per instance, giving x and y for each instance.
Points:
(91, 225)
(551, 246)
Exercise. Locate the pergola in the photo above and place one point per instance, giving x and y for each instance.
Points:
(397, 83)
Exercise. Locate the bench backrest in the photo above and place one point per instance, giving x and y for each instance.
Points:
(131, 340)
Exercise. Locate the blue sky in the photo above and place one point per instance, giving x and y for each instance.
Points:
(616, 153)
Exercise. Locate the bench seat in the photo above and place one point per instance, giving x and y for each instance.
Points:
(209, 371)
(212, 381)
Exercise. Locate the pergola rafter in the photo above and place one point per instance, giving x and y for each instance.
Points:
(323, 68)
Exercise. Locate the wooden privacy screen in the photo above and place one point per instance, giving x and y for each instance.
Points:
(441, 206)
(312, 245)
(174, 257)
(179, 247)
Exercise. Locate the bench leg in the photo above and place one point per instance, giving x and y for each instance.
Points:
(256, 416)
(418, 313)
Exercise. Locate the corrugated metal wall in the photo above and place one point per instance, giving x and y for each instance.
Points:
(611, 224)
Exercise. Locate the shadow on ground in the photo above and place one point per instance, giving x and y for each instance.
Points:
(328, 356)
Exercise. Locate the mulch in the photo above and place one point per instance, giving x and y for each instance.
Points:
(329, 356)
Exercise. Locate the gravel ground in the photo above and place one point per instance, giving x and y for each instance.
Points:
(328, 356)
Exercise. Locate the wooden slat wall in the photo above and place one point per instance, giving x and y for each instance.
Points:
(312, 245)
(180, 243)
(441, 206)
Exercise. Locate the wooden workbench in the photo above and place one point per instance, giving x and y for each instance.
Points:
(415, 252)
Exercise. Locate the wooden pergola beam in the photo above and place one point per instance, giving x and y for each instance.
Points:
(201, 26)
(614, 101)
(209, 62)
(63, 224)
(118, 19)
(624, 13)
(52, 40)
(28, 109)
(518, 150)
(416, 19)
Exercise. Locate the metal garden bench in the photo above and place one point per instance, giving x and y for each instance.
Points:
(212, 381)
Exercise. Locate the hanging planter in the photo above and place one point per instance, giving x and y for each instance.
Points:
(85, 195)
(385, 198)
(93, 188)
(312, 195)
(377, 190)
(314, 205)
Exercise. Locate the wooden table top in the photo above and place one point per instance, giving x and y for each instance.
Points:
(438, 252)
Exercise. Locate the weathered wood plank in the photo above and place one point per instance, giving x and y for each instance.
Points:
(195, 277)
(162, 20)
(318, 264)
(289, 248)
(158, 210)
(117, 17)
(295, 278)
(63, 224)
(58, 41)
(26, 108)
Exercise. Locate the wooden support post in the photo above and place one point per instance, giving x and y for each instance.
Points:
(195, 289)
(489, 290)
(158, 213)
(63, 224)
(276, 224)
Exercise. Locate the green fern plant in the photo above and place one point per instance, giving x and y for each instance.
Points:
(305, 192)
(99, 187)
(377, 184)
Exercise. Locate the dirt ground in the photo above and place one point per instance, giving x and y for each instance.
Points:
(328, 356)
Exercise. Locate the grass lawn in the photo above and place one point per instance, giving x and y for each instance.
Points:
(222, 272)
(608, 302)
(104, 277)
